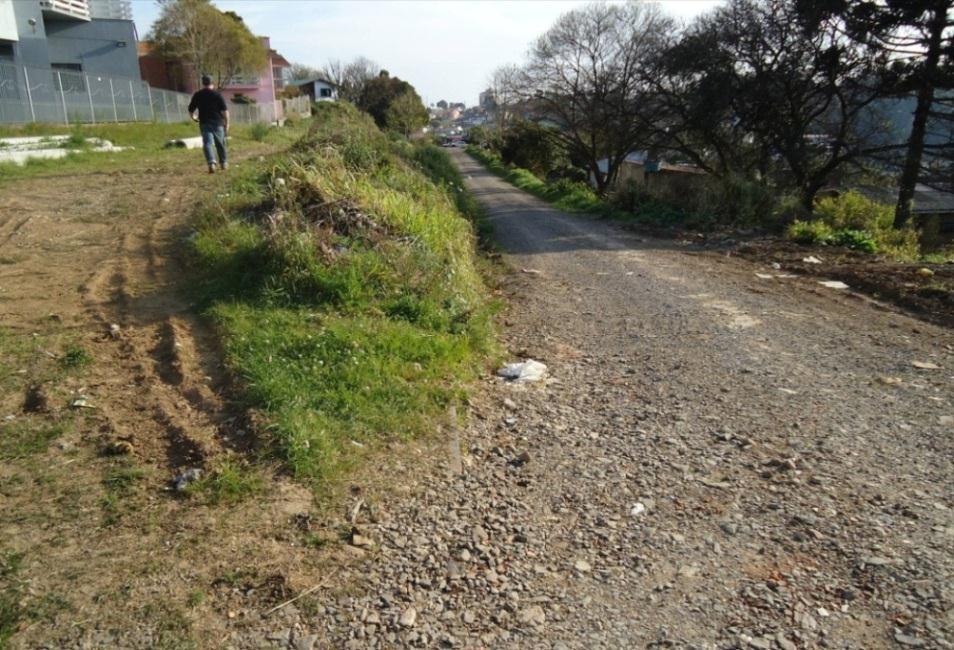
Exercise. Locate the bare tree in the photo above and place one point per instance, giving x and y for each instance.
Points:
(351, 77)
(584, 75)
(504, 86)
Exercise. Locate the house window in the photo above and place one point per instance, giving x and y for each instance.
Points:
(326, 92)
(71, 76)
(6, 51)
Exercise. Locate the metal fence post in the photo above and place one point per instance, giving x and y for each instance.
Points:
(132, 100)
(26, 80)
(165, 111)
(112, 94)
(59, 81)
(89, 95)
(152, 110)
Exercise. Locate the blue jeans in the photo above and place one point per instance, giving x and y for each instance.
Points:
(213, 135)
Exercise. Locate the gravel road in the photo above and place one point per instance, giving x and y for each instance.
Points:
(716, 460)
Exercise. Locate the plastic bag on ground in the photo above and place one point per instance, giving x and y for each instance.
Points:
(524, 371)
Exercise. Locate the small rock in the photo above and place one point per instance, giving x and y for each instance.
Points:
(510, 404)
(408, 617)
(784, 643)
(762, 643)
(522, 459)
(533, 615)
(582, 566)
(925, 272)
(306, 642)
(469, 617)
(637, 509)
(910, 641)
(946, 420)
(115, 332)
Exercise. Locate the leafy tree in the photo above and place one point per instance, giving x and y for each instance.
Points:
(406, 113)
(532, 146)
(753, 89)
(379, 93)
(918, 38)
(207, 41)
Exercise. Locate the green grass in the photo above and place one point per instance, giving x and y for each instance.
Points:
(120, 483)
(75, 357)
(146, 139)
(18, 605)
(230, 483)
(28, 436)
(564, 195)
(343, 278)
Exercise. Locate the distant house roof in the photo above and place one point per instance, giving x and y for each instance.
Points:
(927, 200)
(305, 82)
(278, 59)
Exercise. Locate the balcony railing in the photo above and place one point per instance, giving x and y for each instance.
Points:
(76, 9)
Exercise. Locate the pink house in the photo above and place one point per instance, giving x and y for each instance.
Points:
(265, 86)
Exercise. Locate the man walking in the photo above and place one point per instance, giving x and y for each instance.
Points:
(213, 122)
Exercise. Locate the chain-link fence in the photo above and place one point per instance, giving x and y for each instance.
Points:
(68, 97)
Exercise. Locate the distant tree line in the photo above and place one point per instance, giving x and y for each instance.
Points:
(392, 102)
(784, 95)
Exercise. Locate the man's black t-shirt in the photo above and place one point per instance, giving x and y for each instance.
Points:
(211, 104)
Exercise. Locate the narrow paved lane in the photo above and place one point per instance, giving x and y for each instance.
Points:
(717, 461)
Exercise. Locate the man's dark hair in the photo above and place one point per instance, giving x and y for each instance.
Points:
(206, 80)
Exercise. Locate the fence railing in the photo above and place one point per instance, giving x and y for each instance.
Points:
(67, 97)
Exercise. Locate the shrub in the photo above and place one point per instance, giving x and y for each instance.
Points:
(852, 211)
(258, 131)
(859, 240)
(809, 232)
(533, 147)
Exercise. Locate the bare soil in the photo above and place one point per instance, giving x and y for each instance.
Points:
(111, 555)
(927, 295)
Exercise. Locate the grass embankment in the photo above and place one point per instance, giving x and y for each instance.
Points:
(143, 140)
(343, 279)
(850, 221)
(564, 195)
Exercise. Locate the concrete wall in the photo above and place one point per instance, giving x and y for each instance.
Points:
(31, 49)
(96, 45)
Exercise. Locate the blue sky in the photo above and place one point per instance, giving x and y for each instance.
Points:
(447, 49)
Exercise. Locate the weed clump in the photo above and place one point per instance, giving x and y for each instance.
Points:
(344, 281)
(856, 222)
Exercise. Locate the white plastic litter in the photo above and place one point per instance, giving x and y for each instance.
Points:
(811, 259)
(833, 284)
(637, 509)
(524, 371)
(764, 276)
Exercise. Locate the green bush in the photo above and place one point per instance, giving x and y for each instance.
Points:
(853, 211)
(859, 240)
(259, 131)
(809, 232)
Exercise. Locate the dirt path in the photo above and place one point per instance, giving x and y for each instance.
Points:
(717, 461)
